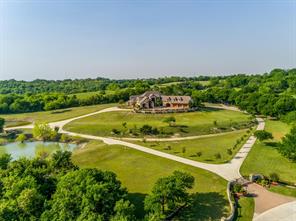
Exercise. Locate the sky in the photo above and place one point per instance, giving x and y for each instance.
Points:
(142, 39)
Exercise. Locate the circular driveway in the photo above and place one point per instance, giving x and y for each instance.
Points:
(284, 212)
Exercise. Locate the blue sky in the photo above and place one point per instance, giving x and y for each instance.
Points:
(140, 39)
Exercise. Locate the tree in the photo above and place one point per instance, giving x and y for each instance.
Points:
(43, 132)
(148, 130)
(168, 194)
(4, 160)
(2, 122)
(288, 145)
(263, 135)
(21, 138)
(88, 194)
(62, 160)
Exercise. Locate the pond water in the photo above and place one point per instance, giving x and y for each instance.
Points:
(32, 149)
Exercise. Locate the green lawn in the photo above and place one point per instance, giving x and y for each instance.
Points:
(265, 159)
(207, 146)
(245, 209)
(187, 124)
(288, 191)
(139, 171)
(51, 116)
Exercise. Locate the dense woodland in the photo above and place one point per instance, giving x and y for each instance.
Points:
(54, 188)
(270, 94)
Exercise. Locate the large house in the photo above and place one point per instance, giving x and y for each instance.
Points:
(153, 100)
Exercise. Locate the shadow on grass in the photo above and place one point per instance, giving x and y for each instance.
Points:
(205, 206)
(271, 144)
(209, 109)
(138, 200)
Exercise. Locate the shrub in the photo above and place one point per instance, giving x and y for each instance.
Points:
(199, 154)
(238, 188)
(274, 177)
(229, 151)
(148, 130)
(115, 131)
(263, 135)
(183, 149)
(21, 138)
(218, 156)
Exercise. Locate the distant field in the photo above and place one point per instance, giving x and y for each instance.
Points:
(265, 159)
(187, 124)
(51, 116)
(139, 171)
(207, 146)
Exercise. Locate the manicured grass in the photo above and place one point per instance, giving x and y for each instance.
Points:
(139, 171)
(265, 159)
(187, 124)
(288, 191)
(51, 116)
(207, 146)
(245, 209)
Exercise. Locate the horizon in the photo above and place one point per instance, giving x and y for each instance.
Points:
(147, 78)
(140, 40)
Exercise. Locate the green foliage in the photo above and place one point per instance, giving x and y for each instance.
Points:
(2, 122)
(55, 189)
(288, 145)
(218, 156)
(170, 120)
(274, 177)
(4, 160)
(148, 130)
(44, 132)
(21, 138)
(229, 151)
(88, 194)
(263, 135)
(65, 138)
(168, 194)
(61, 160)
(268, 94)
(237, 188)
(289, 117)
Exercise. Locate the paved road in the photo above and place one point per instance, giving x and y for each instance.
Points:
(284, 212)
(266, 200)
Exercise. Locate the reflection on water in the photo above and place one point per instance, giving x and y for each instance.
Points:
(32, 149)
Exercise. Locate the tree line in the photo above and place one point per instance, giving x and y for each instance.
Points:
(270, 94)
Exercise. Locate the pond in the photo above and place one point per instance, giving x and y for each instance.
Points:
(32, 149)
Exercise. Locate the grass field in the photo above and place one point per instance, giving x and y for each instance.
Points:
(288, 191)
(265, 159)
(139, 171)
(207, 146)
(245, 209)
(187, 124)
(50, 116)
